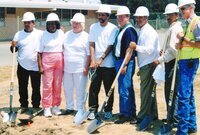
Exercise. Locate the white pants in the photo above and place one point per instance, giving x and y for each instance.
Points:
(78, 82)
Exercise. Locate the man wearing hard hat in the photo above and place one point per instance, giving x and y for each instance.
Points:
(101, 38)
(170, 52)
(188, 64)
(147, 51)
(127, 33)
(27, 41)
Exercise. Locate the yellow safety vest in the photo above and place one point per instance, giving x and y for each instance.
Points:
(188, 52)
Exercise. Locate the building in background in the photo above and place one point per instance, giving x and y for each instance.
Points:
(11, 12)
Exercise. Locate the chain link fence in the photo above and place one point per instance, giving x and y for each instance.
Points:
(10, 25)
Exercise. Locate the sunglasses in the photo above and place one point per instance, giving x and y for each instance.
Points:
(184, 7)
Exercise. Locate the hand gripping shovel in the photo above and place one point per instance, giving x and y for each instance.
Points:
(11, 116)
(81, 116)
(167, 128)
(97, 122)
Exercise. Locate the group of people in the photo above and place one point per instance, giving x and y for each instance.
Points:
(67, 57)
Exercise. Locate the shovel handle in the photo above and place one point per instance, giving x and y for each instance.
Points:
(129, 51)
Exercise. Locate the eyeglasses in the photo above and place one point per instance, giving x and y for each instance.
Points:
(184, 7)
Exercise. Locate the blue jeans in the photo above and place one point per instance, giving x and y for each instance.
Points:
(125, 88)
(186, 103)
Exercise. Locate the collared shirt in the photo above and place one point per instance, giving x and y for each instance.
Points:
(103, 36)
(27, 44)
(148, 45)
(170, 50)
(126, 34)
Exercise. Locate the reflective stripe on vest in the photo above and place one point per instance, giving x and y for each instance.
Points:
(188, 52)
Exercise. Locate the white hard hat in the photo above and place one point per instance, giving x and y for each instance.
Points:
(104, 9)
(123, 10)
(78, 17)
(52, 17)
(141, 11)
(28, 16)
(171, 8)
(185, 2)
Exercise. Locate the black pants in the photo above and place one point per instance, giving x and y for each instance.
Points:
(107, 75)
(23, 77)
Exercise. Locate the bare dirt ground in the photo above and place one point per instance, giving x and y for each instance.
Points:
(63, 125)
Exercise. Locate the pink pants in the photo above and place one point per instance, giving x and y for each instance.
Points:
(52, 79)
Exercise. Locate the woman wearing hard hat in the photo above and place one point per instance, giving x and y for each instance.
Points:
(188, 64)
(50, 60)
(76, 63)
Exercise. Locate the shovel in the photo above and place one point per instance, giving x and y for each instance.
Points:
(11, 116)
(97, 122)
(81, 116)
(167, 128)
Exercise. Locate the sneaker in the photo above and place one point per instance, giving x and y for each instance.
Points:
(134, 120)
(47, 112)
(91, 116)
(56, 110)
(107, 115)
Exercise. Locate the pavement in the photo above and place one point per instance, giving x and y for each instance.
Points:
(5, 54)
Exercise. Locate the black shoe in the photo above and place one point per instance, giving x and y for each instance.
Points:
(190, 131)
(134, 120)
(68, 112)
(145, 123)
(122, 119)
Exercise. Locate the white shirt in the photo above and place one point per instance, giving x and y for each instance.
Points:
(27, 44)
(103, 36)
(76, 49)
(170, 50)
(148, 43)
(51, 42)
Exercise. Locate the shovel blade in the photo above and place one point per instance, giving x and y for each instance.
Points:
(80, 117)
(165, 130)
(10, 117)
(94, 125)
